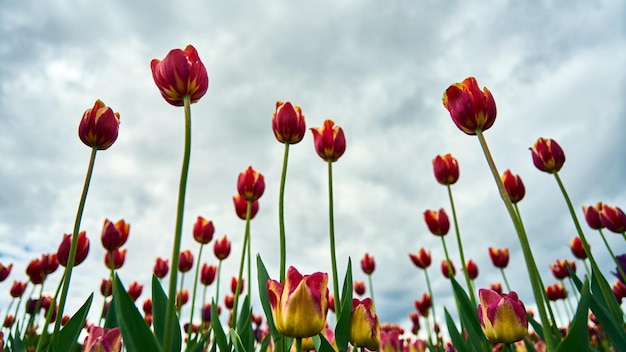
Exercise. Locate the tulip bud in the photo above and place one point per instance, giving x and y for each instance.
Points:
(422, 259)
(250, 184)
(106, 287)
(502, 316)
(180, 74)
(241, 207)
(221, 248)
(82, 249)
(447, 271)
(423, 305)
(18, 288)
(592, 215)
(5, 271)
(49, 263)
(329, 141)
(134, 290)
(119, 256)
(233, 285)
(576, 245)
(472, 269)
(34, 272)
(103, 340)
(470, 108)
(496, 286)
(147, 306)
(556, 292)
(288, 123)
(99, 126)
(364, 325)
(299, 304)
(446, 169)
(229, 301)
(499, 257)
(114, 235)
(621, 260)
(185, 261)
(161, 268)
(437, 222)
(514, 186)
(207, 274)
(368, 264)
(203, 230)
(560, 270)
(613, 218)
(359, 287)
(548, 155)
(182, 297)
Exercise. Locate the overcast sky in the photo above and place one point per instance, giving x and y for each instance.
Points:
(378, 70)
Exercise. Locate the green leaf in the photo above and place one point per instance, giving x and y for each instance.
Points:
(135, 332)
(159, 311)
(457, 339)
(69, 334)
(321, 344)
(577, 338)
(262, 277)
(244, 325)
(220, 336)
(265, 343)
(110, 320)
(237, 341)
(342, 330)
(600, 285)
(16, 344)
(536, 326)
(469, 319)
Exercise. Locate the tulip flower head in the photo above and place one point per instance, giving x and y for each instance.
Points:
(99, 126)
(180, 74)
(250, 185)
(34, 272)
(471, 109)
(364, 325)
(556, 291)
(134, 290)
(592, 215)
(514, 186)
(203, 230)
(446, 270)
(207, 274)
(82, 249)
(422, 259)
(233, 285)
(613, 218)
(499, 257)
(288, 123)
(221, 248)
(472, 269)
(576, 245)
(103, 340)
(496, 286)
(119, 257)
(547, 155)
(185, 261)
(560, 270)
(241, 207)
(359, 287)
(446, 169)
(18, 288)
(161, 267)
(368, 264)
(300, 303)
(502, 316)
(329, 141)
(437, 222)
(5, 271)
(423, 305)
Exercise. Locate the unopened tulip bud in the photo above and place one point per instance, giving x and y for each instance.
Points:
(514, 186)
(207, 274)
(203, 230)
(499, 257)
(547, 155)
(182, 297)
(288, 123)
(185, 261)
(359, 287)
(423, 305)
(233, 285)
(119, 257)
(82, 249)
(181, 73)
(576, 245)
(437, 222)
(99, 126)
(368, 264)
(329, 141)
(18, 288)
(106, 287)
(592, 215)
(613, 218)
(422, 259)
(134, 290)
(250, 184)
(161, 267)
(472, 269)
(114, 235)
(364, 325)
(446, 270)
(221, 248)
(471, 108)
(502, 316)
(556, 291)
(241, 207)
(446, 169)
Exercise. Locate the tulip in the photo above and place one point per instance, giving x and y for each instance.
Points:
(592, 215)
(99, 126)
(329, 141)
(446, 169)
(364, 325)
(250, 185)
(207, 274)
(576, 245)
(423, 305)
(559, 269)
(103, 340)
(447, 271)
(106, 287)
(185, 261)
(359, 287)
(221, 248)
(34, 272)
(619, 290)
(82, 249)
(502, 316)
(203, 230)
(182, 297)
(422, 259)
(547, 155)
(180, 74)
(299, 304)
(496, 286)
(134, 290)
(613, 218)
(161, 267)
(5, 271)
(556, 291)
(114, 235)
(241, 207)
(233, 285)
(18, 288)
(514, 186)
(390, 341)
(368, 264)
(418, 345)
(229, 301)
(470, 108)
(49, 263)
(119, 256)
(288, 123)
(9, 321)
(147, 306)
(472, 269)
(499, 257)
(437, 222)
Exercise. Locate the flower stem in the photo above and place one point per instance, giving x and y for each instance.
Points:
(506, 282)
(619, 267)
(193, 296)
(298, 344)
(333, 258)
(369, 278)
(460, 245)
(281, 215)
(246, 238)
(67, 275)
(432, 306)
(171, 306)
(538, 290)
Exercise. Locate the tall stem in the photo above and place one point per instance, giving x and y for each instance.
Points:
(531, 266)
(193, 296)
(506, 282)
(432, 306)
(619, 267)
(67, 275)
(170, 313)
(369, 278)
(333, 258)
(246, 238)
(470, 287)
(281, 216)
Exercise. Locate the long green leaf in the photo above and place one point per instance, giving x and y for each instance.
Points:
(321, 344)
(16, 344)
(135, 332)
(577, 338)
(110, 320)
(220, 336)
(237, 341)
(469, 319)
(457, 339)
(159, 308)
(244, 325)
(69, 334)
(262, 277)
(536, 326)
(342, 330)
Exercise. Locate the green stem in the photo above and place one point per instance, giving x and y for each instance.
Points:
(246, 238)
(333, 258)
(432, 298)
(73, 247)
(595, 269)
(281, 215)
(531, 266)
(217, 284)
(460, 245)
(299, 344)
(179, 307)
(619, 267)
(506, 282)
(170, 313)
(193, 296)
(369, 278)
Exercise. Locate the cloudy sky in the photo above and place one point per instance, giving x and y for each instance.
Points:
(378, 70)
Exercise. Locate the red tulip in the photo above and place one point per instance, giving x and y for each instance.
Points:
(18, 288)
(106, 287)
(119, 257)
(422, 259)
(203, 230)
(499, 257)
(437, 222)
(556, 292)
(233, 285)
(250, 184)
(241, 207)
(5, 271)
(514, 186)
(446, 169)
(221, 248)
(288, 123)
(185, 261)
(592, 215)
(472, 269)
(359, 287)
(207, 274)
(470, 108)
(368, 264)
(447, 271)
(423, 305)
(576, 245)
(82, 249)
(134, 290)
(114, 235)
(180, 74)
(559, 269)
(329, 141)
(548, 155)
(99, 126)
(161, 268)
(613, 218)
